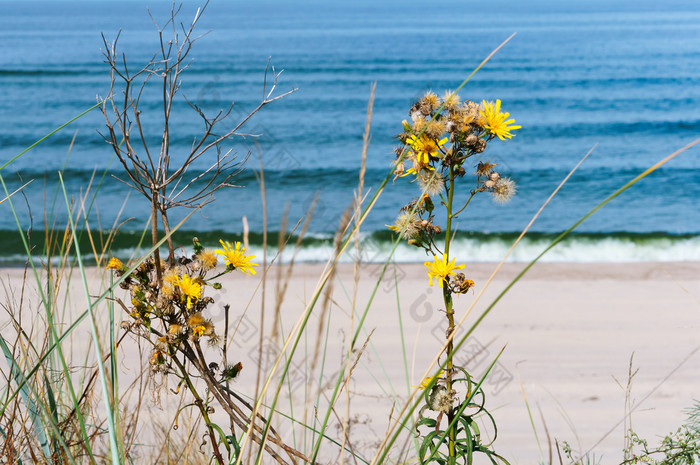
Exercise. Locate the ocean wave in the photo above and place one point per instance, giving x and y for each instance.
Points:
(468, 247)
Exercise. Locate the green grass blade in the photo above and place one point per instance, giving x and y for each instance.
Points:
(52, 406)
(104, 379)
(32, 407)
(51, 134)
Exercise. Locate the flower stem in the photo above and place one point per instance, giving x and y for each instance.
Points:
(471, 196)
(449, 311)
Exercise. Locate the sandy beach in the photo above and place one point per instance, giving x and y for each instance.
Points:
(569, 331)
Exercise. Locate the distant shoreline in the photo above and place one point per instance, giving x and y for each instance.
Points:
(642, 270)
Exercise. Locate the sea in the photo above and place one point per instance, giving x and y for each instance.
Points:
(620, 78)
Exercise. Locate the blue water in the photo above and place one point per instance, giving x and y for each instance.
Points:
(622, 75)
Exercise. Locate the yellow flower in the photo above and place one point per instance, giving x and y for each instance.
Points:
(190, 289)
(199, 330)
(496, 123)
(236, 258)
(441, 269)
(425, 147)
(200, 326)
(428, 379)
(115, 264)
(416, 169)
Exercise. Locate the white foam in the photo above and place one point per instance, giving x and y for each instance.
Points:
(611, 249)
(574, 249)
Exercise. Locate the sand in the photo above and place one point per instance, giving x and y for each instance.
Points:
(569, 332)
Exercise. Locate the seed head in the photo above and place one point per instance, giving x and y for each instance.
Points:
(451, 101)
(419, 123)
(435, 128)
(406, 225)
(483, 169)
(431, 182)
(503, 190)
(162, 343)
(399, 170)
(429, 102)
(440, 399)
(208, 259)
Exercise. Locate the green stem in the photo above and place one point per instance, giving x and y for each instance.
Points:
(449, 311)
(465, 205)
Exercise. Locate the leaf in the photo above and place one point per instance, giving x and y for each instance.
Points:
(429, 422)
(53, 409)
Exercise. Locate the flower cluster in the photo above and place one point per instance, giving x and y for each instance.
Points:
(175, 296)
(434, 121)
(439, 137)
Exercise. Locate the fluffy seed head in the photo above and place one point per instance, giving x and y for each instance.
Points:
(407, 225)
(451, 101)
(208, 259)
(196, 320)
(431, 182)
(435, 128)
(430, 101)
(162, 343)
(440, 399)
(418, 124)
(503, 190)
